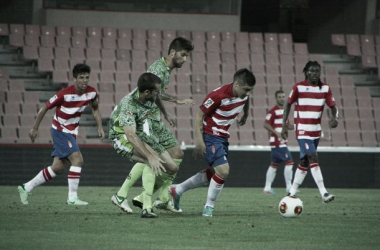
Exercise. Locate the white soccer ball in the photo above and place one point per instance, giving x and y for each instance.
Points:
(290, 207)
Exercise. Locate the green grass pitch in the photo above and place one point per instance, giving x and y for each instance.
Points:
(244, 218)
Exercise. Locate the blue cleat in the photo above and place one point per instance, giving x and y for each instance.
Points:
(207, 211)
(271, 192)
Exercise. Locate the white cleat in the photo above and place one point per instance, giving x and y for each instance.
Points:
(122, 203)
(326, 198)
(24, 195)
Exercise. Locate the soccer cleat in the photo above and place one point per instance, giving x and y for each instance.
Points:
(207, 211)
(137, 202)
(76, 202)
(24, 195)
(326, 198)
(288, 189)
(271, 191)
(168, 206)
(146, 214)
(122, 203)
(175, 197)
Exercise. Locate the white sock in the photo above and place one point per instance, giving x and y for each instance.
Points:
(298, 179)
(198, 180)
(318, 178)
(288, 174)
(73, 179)
(271, 174)
(216, 186)
(43, 176)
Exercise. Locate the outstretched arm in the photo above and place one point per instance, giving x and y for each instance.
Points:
(33, 133)
(170, 98)
(98, 119)
(243, 119)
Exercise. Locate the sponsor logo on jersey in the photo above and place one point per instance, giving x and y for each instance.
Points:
(208, 103)
(53, 98)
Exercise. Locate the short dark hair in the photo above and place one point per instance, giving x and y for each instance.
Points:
(181, 43)
(148, 81)
(81, 68)
(279, 92)
(245, 77)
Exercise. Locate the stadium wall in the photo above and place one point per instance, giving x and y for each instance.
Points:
(342, 168)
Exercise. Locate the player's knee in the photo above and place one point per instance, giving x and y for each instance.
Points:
(313, 158)
(177, 153)
(172, 169)
(223, 172)
(77, 161)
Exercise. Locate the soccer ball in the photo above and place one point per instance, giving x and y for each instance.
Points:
(290, 207)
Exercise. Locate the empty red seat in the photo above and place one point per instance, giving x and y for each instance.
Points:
(124, 33)
(93, 64)
(154, 34)
(60, 77)
(242, 46)
(139, 44)
(123, 66)
(338, 39)
(271, 38)
(106, 88)
(30, 53)
(271, 48)
(9, 134)
(94, 42)
(94, 32)
(256, 38)
(32, 40)
(4, 29)
(17, 29)
(108, 66)
(213, 35)
(31, 97)
(16, 40)
(301, 49)
(109, 43)
(214, 46)
(65, 42)
(108, 55)
(109, 32)
(286, 48)
(79, 31)
(64, 31)
(77, 41)
(369, 139)
(139, 34)
(16, 86)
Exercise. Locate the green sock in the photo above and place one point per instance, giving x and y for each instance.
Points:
(148, 179)
(164, 192)
(133, 176)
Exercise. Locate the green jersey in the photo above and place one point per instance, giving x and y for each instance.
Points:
(131, 112)
(160, 69)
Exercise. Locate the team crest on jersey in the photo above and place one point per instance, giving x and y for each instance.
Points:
(69, 143)
(53, 98)
(208, 103)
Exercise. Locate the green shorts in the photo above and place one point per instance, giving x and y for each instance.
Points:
(161, 140)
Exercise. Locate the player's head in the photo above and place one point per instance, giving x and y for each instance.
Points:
(244, 81)
(179, 50)
(149, 85)
(312, 72)
(81, 73)
(280, 97)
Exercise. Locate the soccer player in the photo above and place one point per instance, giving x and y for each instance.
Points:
(179, 51)
(219, 110)
(309, 97)
(137, 133)
(279, 149)
(70, 104)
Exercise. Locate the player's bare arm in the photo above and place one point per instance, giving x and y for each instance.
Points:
(334, 118)
(33, 133)
(200, 147)
(155, 162)
(284, 131)
(269, 127)
(98, 119)
(170, 98)
(168, 117)
(243, 119)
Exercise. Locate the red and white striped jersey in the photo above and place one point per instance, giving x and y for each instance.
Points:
(274, 118)
(221, 109)
(309, 103)
(70, 106)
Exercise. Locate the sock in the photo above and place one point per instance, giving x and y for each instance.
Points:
(200, 179)
(298, 179)
(135, 173)
(271, 174)
(164, 192)
(288, 174)
(73, 179)
(148, 179)
(318, 178)
(216, 186)
(43, 176)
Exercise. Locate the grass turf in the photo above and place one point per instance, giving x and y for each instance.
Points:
(244, 218)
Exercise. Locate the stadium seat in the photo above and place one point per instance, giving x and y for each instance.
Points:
(12, 107)
(78, 54)
(107, 97)
(78, 31)
(122, 86)
(271, 38)
(108, 66)
(257, 59)
(33, 30)
(27, 119)
(154, 35)
(30, 53)
(139, 34)
(32, 40)
(338, 39)
(94, 64)
(301, 61)
(242, 37)
(246, 137)
(368, 61)
(109, 43)
(227, 69)
(242, 46)
(16, 86)
(169, 34)
(301, 49)
(272, 59)
(107, 77)
(124, 66)
(366, 114)
(94, 42)
(11, 120)
(152, 56)
(354, 139)
(273, 80)
(16, 40)
(64, 31)
(286, 48)
(77, 41)
(259, 100)
(184, 33)
(198, 36)
(271, 48)
(365, 103)
(60, 77)
(367, 125)
(369, 139)
(3, 86)
(109, 32)
(185, 136)
(125, 34)
(256, 48)
(213, 35)
(139, 55)
(353, 49)
(9, 134)
(256, 38)
(184, 111)
(123, 55)
(94, 32)
(31, 97)
(62, 41)
(272, 69)
(45, 65)
(154, 44)
(17, 29)
(4, 29)
(214, 46)
(139, 44)
(287, 80)
(108, 55)
(49, 54)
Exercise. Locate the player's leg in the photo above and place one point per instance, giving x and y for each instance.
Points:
(73, 178)
(317, 175)
(271, 172)
(288, 169)
(43, 176)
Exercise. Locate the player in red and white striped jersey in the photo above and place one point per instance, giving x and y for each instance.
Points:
(309, 97)
(279, 149)
(218, 111)
(70, 104)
